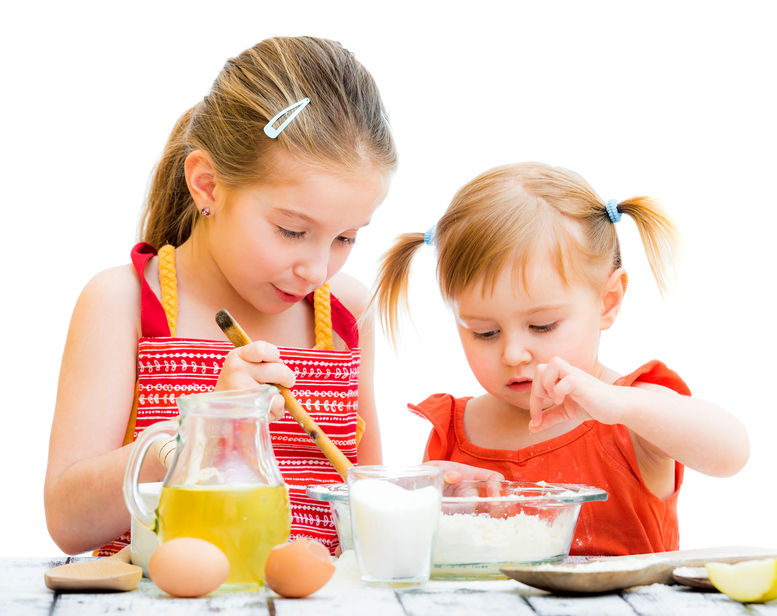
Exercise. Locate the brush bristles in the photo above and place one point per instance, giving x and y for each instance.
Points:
(232, 330)
(224, 320)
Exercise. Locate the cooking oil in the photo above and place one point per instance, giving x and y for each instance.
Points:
(244, 522)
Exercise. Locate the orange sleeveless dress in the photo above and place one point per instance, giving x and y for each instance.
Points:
(632, 521)
(327, 386)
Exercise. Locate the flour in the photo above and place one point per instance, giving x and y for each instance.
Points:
(471, 539)
(617, 563)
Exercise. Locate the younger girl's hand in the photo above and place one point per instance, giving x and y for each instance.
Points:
(256, 363)
(573, 394)
(455, 472)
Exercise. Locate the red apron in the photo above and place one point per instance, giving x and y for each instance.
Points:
(327, 386)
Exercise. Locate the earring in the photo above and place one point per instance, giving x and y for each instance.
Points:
(205, 211)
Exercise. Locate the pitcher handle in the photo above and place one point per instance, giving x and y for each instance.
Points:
(132, 496)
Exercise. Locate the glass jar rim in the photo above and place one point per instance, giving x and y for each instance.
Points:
(381, 471)
(228, 403)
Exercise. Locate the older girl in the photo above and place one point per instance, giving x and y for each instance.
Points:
(254, 207)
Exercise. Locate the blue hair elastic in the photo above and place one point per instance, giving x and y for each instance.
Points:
(429, 236)
(612, 211)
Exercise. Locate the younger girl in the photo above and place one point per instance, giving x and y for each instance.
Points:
(528, 258)
(254, 207)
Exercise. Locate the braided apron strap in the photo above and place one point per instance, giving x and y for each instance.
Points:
(169, 285)
(322, 315)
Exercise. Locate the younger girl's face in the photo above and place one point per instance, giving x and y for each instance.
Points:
(279, 240)
(508, 333)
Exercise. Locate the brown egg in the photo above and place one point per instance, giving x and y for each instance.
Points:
(298, 568)
(188, 567)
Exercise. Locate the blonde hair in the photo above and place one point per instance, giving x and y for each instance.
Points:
(344, 126)
(508, 214)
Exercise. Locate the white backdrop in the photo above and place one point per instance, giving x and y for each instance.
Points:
(675, 100)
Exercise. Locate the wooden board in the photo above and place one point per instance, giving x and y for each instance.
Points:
(23, 592)
(597, 575)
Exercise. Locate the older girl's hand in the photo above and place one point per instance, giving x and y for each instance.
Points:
(256, 363)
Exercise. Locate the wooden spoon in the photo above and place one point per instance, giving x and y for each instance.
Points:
(112, 573)
(695, 577)
(239, 338)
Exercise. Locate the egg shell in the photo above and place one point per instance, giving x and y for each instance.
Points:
(188, 567)
(299, 568)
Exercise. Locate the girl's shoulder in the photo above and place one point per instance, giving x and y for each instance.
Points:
(113, 293)
(351, 292)
(121, 281)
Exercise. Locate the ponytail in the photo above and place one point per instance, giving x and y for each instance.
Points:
(168, 217)
(392, 282)
(659, 235)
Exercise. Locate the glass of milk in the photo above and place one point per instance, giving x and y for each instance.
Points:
(394, 515)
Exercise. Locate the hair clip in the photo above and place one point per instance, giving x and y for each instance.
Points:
(295, 108)
(612, 210)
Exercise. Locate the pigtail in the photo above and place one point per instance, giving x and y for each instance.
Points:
(660, 236)
(392, 282)
(169, 215)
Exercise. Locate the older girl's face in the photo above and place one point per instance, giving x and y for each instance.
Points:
(507, 333)
(279, 240)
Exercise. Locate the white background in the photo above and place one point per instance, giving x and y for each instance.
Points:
(675, 100)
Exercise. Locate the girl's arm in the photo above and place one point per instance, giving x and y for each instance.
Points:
(665, 425)
(369, 450)
(697, 433)
(354, 296)
(83, 487)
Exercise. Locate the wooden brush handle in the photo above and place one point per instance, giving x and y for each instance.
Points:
(239, 338)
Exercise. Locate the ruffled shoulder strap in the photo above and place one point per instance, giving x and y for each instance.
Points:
(440, 410)
(657, 373)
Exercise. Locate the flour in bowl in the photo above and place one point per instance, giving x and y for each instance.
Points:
(466, 538)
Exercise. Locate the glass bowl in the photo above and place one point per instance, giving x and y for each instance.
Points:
(488, 525)
(336, 494)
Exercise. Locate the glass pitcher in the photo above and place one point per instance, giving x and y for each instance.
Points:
(223, 484)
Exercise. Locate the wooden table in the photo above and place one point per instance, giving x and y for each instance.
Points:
(23, 592)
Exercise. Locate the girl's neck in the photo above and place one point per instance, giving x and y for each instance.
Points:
(603, 373)
(492, 423)
(199, 277)
(203, 291)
